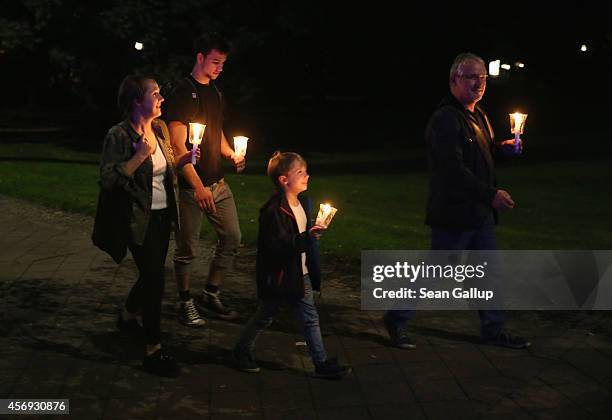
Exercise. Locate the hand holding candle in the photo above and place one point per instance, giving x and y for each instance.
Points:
(326, 214)
(196, 132)
(517, 125)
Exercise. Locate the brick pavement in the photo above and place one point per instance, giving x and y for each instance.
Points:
(59, 296)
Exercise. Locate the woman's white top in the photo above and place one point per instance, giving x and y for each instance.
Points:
(160, 199)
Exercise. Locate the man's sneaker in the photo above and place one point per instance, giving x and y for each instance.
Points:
(188, 314)
(245, 361)
(129, 326)
(212, 305)
(399, 336)
(330, 369)
(505, 339)
(161, 364)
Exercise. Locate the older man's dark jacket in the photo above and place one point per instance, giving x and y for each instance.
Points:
(462, 180)
(279, 251)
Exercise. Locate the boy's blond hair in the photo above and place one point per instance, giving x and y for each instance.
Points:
(281, 163)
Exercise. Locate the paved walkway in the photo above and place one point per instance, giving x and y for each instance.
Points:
(59, 296)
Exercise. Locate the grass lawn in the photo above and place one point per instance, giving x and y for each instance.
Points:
(560, 205)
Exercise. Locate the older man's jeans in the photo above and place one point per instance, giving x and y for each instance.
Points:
(491, 321)
(306, 313)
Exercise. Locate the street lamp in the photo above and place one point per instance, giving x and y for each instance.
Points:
(494, 68)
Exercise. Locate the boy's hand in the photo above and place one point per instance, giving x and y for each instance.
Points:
(316, 231)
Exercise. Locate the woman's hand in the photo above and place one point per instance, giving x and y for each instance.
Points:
(144, 147)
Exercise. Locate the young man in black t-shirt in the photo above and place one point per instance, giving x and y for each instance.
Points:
(203, 190)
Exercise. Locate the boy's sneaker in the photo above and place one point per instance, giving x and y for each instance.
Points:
(129, 326)
(161, 364)
(505, 339)
(399, 336)
(188, 314)
(245, 361)
(212, 305)
(330, 369)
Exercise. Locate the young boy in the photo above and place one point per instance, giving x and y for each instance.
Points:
(287, 266)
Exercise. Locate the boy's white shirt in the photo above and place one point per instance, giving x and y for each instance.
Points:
(300, 217)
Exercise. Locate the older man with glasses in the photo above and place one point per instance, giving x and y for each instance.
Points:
(463, 199)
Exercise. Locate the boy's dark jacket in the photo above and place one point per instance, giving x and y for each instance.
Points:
(279, 249)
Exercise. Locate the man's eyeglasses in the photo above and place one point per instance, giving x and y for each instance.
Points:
(475, 77)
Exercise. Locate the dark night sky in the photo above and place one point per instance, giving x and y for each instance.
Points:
(358, 70)
(388, 67)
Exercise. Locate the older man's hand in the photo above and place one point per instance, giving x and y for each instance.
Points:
(508, 147)
(502, 201)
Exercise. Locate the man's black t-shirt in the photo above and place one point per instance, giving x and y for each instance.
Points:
(191, 101)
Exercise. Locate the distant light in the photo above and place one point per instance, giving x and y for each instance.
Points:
(138, 45)
(505, 66)
(519, 65)
(583, 47)
(494, 68)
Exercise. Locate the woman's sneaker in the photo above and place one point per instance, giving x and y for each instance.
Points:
(129, 326)
(330, 369)
(161, 364)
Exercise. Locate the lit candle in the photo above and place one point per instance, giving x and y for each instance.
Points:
(517, 125)
(196, 131)
(326, 214)
(240, 145)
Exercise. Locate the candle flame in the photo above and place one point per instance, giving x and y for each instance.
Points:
(326, 214)
(196, 132)
(240, 145)
(517, 122)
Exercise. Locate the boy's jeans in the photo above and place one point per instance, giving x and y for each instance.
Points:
(306, 313)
